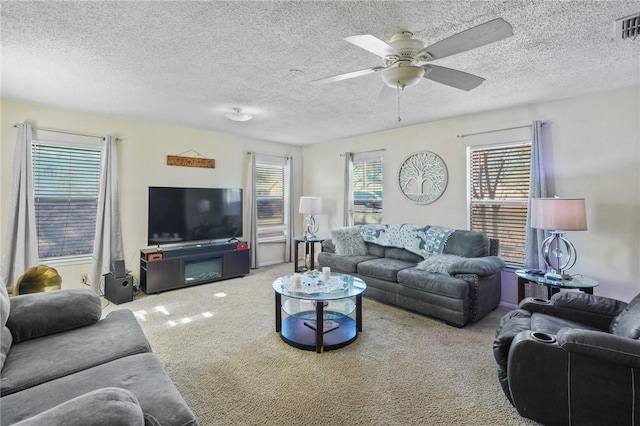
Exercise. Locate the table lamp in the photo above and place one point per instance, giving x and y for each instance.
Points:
(310, 206)
(558, 215)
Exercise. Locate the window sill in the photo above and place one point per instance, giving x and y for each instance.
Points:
(66, 261)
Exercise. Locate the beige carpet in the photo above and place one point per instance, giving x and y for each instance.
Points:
(219, 345)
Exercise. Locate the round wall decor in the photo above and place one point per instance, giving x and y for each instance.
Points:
(423, 177)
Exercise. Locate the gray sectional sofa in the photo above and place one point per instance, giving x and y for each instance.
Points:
(63, 365)
(461, 289)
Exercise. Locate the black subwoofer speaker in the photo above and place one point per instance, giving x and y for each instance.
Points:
(118, 290)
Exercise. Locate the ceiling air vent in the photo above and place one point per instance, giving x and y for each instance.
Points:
(628, 27)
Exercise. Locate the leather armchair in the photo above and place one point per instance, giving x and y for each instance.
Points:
(571, 360)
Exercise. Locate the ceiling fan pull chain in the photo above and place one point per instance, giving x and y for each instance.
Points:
(398, 87)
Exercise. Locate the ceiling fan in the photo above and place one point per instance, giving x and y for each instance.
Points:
(406, 59)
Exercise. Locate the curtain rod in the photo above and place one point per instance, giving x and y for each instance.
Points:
(66, 132)
(493, 131)
(365, 152)
(271, 155)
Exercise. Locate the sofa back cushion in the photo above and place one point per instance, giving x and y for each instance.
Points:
(627, 322)
(375, 249)
(402, 254)
(467, 244)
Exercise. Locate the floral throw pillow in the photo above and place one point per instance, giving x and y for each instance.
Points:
(348, 241)
(439, 263)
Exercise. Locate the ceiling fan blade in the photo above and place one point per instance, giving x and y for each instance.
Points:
(385, 97)
(373, 45)
(483, 34)
(347, 75)
(450, 77)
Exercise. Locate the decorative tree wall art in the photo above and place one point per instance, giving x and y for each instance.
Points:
(423, 177)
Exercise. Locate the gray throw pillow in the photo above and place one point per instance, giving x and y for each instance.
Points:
(348, 241)
(439, 263)
(5, 334)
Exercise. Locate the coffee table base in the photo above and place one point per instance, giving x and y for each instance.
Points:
(297, 334)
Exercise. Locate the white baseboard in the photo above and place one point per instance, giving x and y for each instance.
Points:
(508, 305)
(272, 262)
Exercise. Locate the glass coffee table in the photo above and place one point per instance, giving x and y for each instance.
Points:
(319, 313)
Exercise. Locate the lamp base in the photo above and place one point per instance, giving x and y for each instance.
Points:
(557, 277)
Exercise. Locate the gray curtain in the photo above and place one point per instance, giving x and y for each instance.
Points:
(538, 189)
(21, 244)
(348, 188)
(253, 210)
(107, 245)
(288, 196)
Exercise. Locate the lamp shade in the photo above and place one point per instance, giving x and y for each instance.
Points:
(560, 214)
(310, 205)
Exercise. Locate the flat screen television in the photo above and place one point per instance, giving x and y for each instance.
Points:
(178, 215)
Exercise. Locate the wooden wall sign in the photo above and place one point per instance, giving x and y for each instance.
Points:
(176, 160)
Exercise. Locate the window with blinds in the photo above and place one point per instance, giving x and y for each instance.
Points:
(270, 197)
(66, 186)
(499, 192)
(367, 190)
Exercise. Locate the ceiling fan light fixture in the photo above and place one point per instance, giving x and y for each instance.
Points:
(238, 115)
(403, 76)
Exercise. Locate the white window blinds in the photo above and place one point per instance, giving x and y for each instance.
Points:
(66, 186)
(367, 189)
(499, 191)
(270, 196)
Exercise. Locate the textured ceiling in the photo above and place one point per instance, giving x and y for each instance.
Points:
(188, 63)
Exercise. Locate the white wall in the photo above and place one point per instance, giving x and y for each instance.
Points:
(592, 150)
(142, 159)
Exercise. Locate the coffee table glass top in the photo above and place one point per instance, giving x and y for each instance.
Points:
(312, 287)
(577, 281)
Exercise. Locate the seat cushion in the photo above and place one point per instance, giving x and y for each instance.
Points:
(346, 264)
(432, 282)
(383, 268)
(141, 374)
(60, 354)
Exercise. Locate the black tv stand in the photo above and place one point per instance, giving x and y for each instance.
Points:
(185, 266)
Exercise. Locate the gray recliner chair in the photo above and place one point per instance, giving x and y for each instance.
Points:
(572, 360)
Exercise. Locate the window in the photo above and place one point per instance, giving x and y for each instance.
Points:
(367, 189)
(270, 196)
(498, 195)
(66, 186)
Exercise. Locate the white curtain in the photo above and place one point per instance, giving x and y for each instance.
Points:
(288, 196)
(252, 202)
(538, 189)
(21, 244)
(348, 188)
(107, 245)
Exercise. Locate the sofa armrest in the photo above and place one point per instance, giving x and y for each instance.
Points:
(594, 311)
(39, 314)
(106, 406)
(601, 346)
(481, 266)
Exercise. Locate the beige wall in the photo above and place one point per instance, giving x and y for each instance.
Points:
(592, 150)
(142, 155)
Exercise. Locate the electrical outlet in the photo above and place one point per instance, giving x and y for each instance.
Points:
(84, 279)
